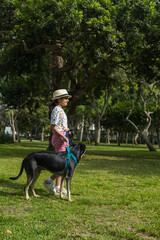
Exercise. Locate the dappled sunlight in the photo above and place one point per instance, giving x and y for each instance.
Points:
(129, 151)
(120, 165)
(110, 187)
(20, 149)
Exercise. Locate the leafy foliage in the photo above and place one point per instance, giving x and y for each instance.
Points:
(79, 45)
(5, 138)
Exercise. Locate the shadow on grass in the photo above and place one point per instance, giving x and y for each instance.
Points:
(11, 189)
(119, 166)
(9, 184)
(20, 149)
(126, 153)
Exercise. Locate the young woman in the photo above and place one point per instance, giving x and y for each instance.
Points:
(59, 126)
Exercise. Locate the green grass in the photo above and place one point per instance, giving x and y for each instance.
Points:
(115, 193)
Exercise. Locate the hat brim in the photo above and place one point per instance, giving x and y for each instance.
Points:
(62, 96)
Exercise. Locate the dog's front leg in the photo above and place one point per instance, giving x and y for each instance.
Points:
(69, 188)
(62, 186)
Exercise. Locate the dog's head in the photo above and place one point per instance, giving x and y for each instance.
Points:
(81, 148)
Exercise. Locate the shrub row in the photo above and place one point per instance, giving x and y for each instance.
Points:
(5, 138)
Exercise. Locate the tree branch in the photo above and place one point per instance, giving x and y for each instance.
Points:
(106, 99)
(129, 114)
(40, 46)
(94, 103)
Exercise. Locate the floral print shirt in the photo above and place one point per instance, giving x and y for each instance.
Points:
(59, 118)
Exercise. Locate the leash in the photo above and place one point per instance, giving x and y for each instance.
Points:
(69, 155)
(67, 136)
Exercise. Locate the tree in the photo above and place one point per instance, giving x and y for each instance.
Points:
(139, 23)
(2, 117)
(83, 120)
(34, 119)
(100, 111)
(69, 34)
(156, 124)
(115, 116)
(70, 42)
(146, 94)
(17, 92)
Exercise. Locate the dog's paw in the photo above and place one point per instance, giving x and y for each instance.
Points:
(29, 199)
(62, 195)
(36, 195)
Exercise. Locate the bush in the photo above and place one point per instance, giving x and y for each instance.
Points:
(5, 138)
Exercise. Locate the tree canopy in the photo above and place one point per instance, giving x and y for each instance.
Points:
(78, 45)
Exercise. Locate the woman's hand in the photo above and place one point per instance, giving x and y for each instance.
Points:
(65, 139)
(54, 128)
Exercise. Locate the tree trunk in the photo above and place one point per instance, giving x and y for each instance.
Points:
(82, 129)
(108, 136)
(42, 136)
(126, 138)
(14, 132)
(135, 139)
(158, 137)
(144, 133)
(122, 137)
(119, 138)
(148, 143)
(97, 132)
(12, 123)
(17, 131)
(75, 129)
(30, 136)
(87, 136)
(152, 137)
(56, 62)
(55, 75)
(99, 116)
(2, 117)
(87, 126)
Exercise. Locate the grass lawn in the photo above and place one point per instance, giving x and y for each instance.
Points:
(115, 193)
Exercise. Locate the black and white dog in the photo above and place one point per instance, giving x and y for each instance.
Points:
(53, 162)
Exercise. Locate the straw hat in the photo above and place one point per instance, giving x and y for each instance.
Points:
(60, 93)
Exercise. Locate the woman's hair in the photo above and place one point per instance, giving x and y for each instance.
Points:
(52, 106)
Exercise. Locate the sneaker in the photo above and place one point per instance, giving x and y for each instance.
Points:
(57, 192)
(64, 192)
(49, 186)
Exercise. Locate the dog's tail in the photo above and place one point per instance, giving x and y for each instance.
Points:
(21, 171)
